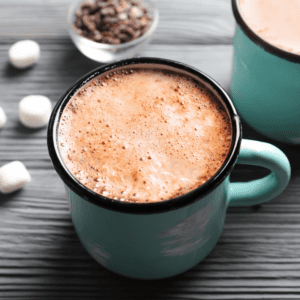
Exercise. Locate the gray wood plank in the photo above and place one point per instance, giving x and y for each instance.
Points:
(41, 205)
(188, 22)
(62, 65)
(41, 257)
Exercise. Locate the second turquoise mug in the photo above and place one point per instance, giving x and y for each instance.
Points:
(163, 239)
(265, 85)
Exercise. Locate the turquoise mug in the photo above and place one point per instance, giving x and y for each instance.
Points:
(265, 87)
(163, 239)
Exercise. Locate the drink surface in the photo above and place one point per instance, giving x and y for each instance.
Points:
(144, 135)
(276, 21)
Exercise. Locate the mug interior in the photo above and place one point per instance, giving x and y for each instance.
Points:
(153, 207)
(285, 54)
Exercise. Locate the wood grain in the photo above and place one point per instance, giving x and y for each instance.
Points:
(258, 255)
(188, 22)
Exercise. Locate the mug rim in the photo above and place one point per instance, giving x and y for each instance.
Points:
(152, 207)
(279, 52)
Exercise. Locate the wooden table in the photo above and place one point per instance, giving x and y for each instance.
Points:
(258, 255)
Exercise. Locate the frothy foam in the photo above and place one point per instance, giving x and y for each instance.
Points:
(276, 21)
(144, 135)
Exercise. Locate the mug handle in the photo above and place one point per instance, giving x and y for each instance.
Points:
(264, 189)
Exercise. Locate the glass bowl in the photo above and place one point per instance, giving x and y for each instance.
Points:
(105, 53)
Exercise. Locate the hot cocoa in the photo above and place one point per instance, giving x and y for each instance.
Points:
(144, 134)
(276, 21)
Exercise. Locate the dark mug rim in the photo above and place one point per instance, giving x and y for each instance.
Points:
(290, 56)
(143, 208)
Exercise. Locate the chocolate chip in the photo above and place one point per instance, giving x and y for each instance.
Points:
(135, 2)
(111, 20)
(78, 30)
(129, 31)
(86, 6)
(135, 12)
(94, 9)
(123, 6)
(84, 33)
(124, 37)
(143, 21)
(101, 4)
(135, 24)
(123, 16)
(98, 21)
(108, 11)
(107, 33)
(88, 22)
(107, 40)
(78, 23)
(137, 34)
(116, 41)
(114, 3)
(97, 36)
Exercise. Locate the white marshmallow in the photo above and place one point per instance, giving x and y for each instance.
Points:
(2, 117)
(23, 54)
(35, 111)
(13, 176)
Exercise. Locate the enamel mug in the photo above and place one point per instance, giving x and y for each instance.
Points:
(163, 239)
(265, 87)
